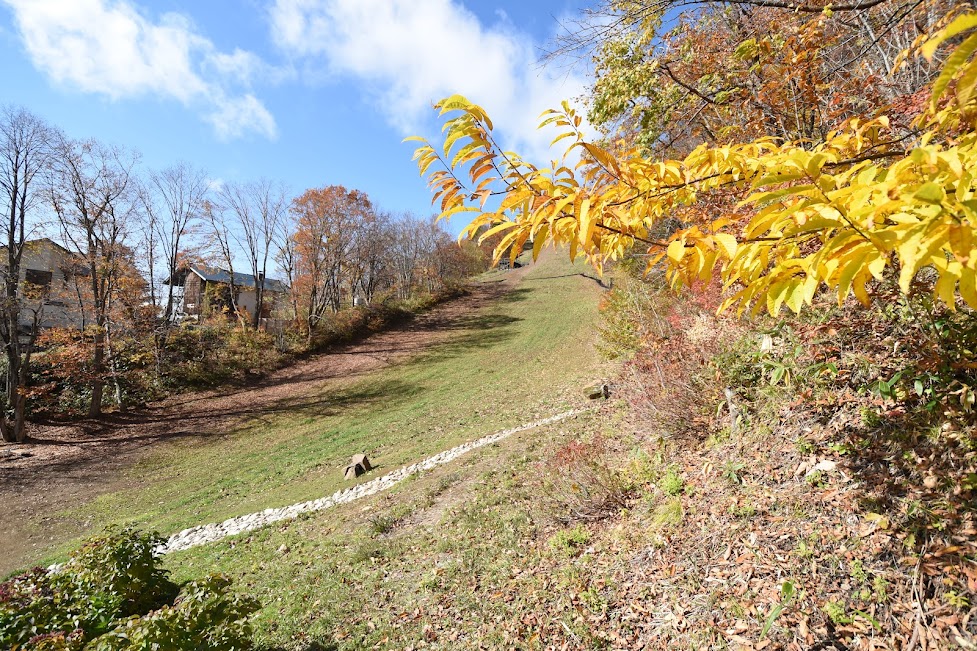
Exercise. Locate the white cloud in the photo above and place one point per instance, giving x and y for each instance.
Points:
(414, 52)
(246, 67)
(107, 47)
(234, 117)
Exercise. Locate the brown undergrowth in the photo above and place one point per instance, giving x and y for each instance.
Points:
(805, 483)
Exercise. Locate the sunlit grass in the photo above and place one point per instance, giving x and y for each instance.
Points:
(520, 358)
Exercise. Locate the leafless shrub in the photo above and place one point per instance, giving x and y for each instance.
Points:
(581, 484)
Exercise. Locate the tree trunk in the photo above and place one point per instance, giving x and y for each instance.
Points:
(259, 297)
(98, 383)
(113, 363)
(6, 431)
(15, 430)
(20, 419)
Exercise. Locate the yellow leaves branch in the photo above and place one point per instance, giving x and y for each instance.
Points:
(835, 215)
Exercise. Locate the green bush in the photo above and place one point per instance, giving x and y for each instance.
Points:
(206, 616)
(120, 568)
(672, 483)
(112, 594)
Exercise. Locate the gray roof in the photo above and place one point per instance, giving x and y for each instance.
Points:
(218, 275)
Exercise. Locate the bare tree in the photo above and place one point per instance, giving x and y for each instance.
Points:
(25, 157)
(93, 196)
(407, 252)
(223, 240)
(285, 243)
(257, 209)
(173, 199)
(370, 267)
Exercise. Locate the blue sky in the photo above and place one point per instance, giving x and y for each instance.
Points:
(309, 92)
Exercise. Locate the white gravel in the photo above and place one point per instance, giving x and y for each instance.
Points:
(209, 533)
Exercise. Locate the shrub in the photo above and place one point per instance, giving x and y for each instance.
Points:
(666, 341)
(212, 353)
(62, 371)
(581, 484)
(112, 594)
(121, 565)
(671, 482)
(205, 617)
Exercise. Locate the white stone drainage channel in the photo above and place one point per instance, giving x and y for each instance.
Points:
(209, 533)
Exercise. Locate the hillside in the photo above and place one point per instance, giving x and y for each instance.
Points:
(652, 521)
(731, 493)
(452, 375)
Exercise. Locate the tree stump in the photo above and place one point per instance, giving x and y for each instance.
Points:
(598, 391)
(358, 465)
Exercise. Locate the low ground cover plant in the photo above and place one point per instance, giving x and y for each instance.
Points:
(113, 595)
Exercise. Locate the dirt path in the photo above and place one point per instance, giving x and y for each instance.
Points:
(71, 464)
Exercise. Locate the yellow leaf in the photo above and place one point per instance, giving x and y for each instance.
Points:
(676, 251)
(968, 287)
(960, 24)
(858, 287)
(775, 297)
(930, 192)
(877, 266)
(952, 66)
(567, 134)
(947, 282)
(586, 225)
(538, 242)
(727, 242)
(795, 296)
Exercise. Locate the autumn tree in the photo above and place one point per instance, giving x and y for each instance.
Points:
(93, 196)
(329, 222)
(453, 261)
(838, 214)
(671, 75)
(26, 155)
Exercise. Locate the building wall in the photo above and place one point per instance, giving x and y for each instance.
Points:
(60, 306)
(248, 299)
(193, 295)
(203, 298)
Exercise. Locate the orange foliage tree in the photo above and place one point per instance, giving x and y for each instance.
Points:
(328, 223)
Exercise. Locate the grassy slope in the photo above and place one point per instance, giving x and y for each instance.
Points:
(449, 560)
(716, 524)
(525, 357)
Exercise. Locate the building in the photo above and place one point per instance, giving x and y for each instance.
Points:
(206, 290)
(48, 275)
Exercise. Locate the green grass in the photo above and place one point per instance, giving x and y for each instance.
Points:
(463, 561)
(523, 357)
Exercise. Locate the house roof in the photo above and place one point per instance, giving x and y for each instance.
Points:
(50, 242)
(218, 275)
(46, 241)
